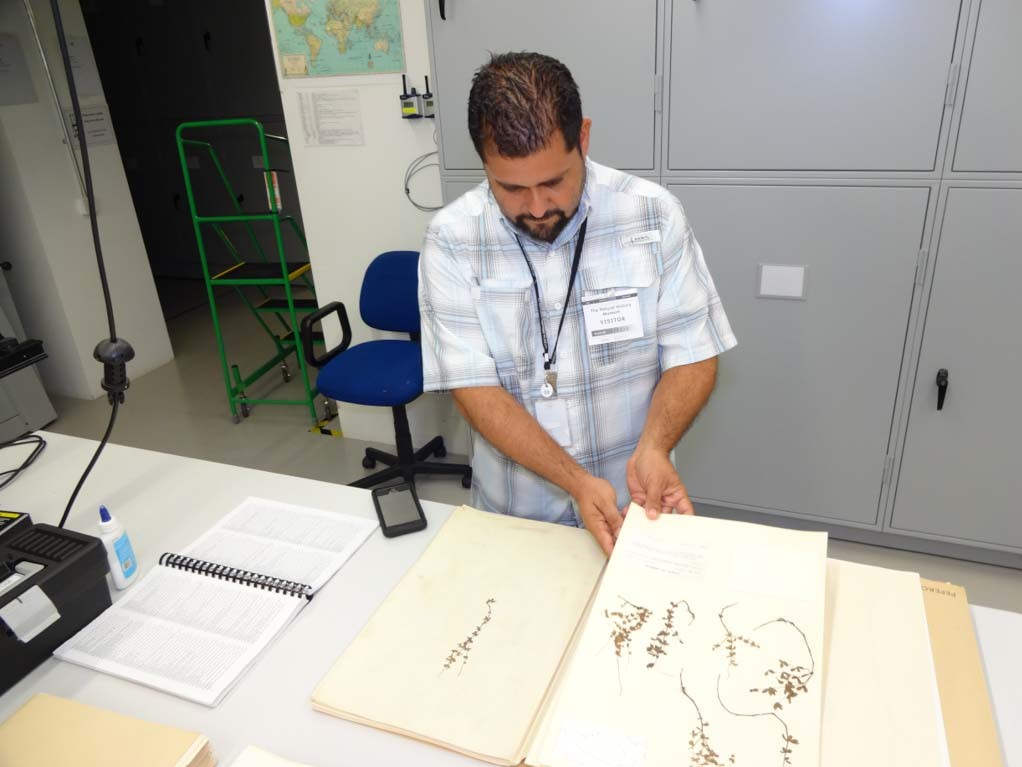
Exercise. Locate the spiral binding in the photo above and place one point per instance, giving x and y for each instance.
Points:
(237, 575)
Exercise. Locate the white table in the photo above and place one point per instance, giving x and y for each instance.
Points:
(166, 501)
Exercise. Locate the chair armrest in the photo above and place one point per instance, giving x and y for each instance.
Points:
(309, 323)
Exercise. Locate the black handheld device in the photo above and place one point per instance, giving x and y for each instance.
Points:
(398, 509)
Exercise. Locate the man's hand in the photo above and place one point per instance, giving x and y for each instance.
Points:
(597, 505)
(654, 484)
(495, 414)
(679, 396)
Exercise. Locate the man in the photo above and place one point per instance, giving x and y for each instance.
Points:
(568, 308)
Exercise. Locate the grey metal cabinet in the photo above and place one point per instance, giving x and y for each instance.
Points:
(453, 188)
(990, 134)
(961, 469)
(610, 48)
(803, 85)
(811, 139)
(800, 420)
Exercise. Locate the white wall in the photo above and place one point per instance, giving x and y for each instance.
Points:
(45, 236)
(354, 208)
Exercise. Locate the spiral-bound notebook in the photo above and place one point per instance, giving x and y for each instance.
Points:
(200, 618)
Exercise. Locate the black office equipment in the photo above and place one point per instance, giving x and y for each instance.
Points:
(67, 567)
(15, 355)
(398, 509)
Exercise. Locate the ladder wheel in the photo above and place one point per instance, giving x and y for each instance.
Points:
(285, 372)
(236, 418)
(368, 463)
(329, 412)
(245, 410)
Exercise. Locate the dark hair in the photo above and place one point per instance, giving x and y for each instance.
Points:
(518, 100)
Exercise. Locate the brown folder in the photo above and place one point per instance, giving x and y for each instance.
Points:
(964, 698)
(56, 732)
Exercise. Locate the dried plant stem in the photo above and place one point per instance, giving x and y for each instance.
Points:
(703, 754)
(788, 740)
(794, 679)
(623, 624)
(731, 640)
(657, 647)
(462, 649)
(801, 633)
(691, 615)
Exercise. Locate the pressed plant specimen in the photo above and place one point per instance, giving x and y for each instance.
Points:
(731, 640)
(699, 748)
(787, 739)
(787, 680)
(657, 647)
(461, 651)
(624, 622)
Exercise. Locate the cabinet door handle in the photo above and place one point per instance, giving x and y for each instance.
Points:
(443, 9)
(942, 382)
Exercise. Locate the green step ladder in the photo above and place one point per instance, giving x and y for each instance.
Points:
(263, 272)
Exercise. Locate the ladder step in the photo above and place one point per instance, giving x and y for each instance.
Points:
(260, 271)
(289, 338)
(280, 305)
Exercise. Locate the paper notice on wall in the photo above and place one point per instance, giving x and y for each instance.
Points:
(83, 65)
(98, 128)
(15, 81)
(331, 117)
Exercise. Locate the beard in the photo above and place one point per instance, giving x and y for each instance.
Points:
(545, 228)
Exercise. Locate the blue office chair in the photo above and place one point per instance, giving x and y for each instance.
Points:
(386, 373)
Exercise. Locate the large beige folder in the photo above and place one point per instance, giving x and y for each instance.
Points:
(880, 705)
(487, 645)
(968, 718)
(55, 732)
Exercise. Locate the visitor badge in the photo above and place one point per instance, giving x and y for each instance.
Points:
(612, 316)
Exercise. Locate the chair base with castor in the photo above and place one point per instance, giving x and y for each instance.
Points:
(408, 462)
(386, 372)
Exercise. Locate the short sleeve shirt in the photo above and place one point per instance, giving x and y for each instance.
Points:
(480, 324)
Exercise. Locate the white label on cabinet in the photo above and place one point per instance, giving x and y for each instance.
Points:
(781, 281)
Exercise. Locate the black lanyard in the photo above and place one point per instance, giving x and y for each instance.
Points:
(550, 355)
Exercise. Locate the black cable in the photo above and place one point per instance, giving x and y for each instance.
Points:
(90, 197)
(31, 439)
(115, 347)
(95, 457)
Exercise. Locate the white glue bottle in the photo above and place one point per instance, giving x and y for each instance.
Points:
(123, 564)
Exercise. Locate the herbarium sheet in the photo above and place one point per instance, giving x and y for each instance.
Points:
(703, 647)
(464, 649)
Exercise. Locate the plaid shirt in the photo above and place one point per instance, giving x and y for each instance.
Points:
(480, 324)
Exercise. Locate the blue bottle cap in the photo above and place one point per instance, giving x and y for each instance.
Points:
(104, 515)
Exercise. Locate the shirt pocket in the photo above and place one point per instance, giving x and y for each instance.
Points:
(506, 314)
(632, 268)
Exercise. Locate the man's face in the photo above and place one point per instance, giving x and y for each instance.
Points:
(540, 192)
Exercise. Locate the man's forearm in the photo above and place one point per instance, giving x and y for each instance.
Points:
(679, 396)
(513, 431)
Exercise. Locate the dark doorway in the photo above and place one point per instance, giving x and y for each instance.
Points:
(164, 62)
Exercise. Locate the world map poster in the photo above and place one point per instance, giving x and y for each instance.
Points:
(318, 38)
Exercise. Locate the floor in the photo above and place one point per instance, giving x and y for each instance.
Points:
(181, 408)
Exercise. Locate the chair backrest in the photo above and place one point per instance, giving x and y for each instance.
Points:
(390, 292)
